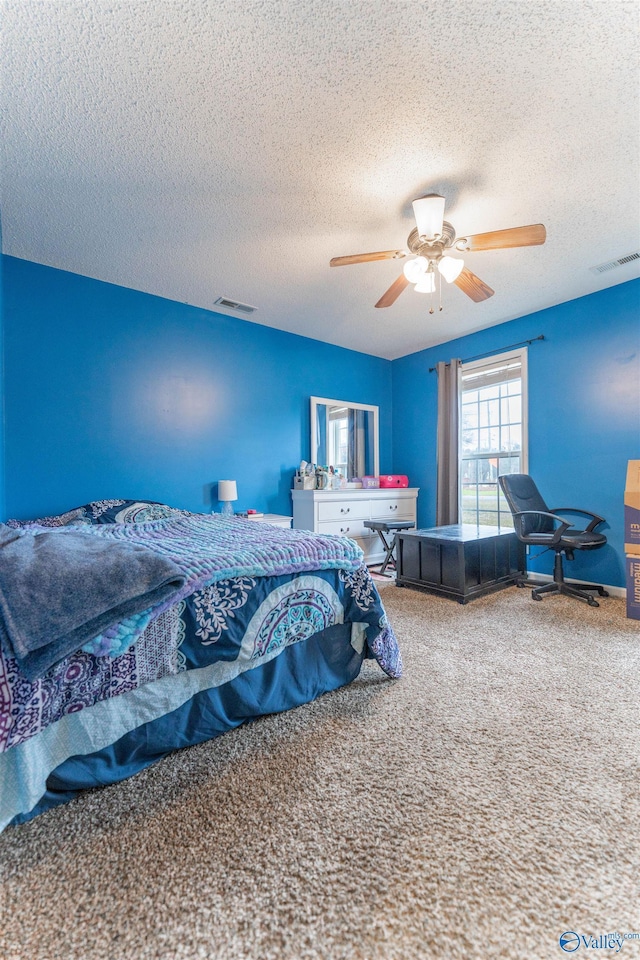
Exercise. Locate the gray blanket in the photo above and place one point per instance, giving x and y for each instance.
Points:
(61, 588)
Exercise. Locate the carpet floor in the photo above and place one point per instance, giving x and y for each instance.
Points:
(476, 809)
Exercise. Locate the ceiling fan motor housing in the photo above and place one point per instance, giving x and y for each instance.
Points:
(431, 249)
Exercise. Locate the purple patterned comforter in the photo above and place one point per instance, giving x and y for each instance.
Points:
(209, 548)
(205, 628)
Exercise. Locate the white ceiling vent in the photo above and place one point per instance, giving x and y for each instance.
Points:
(234, 305)
(612, 264)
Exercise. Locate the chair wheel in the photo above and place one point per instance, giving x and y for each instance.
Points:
(535, 596)
(520, 584)
(604, 593)
(592, 602)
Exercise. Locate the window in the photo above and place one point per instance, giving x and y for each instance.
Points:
(493, 434)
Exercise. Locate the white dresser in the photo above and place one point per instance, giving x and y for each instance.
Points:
(343, 512)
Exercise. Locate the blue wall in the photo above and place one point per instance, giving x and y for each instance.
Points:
(584, 412)
(112, 393)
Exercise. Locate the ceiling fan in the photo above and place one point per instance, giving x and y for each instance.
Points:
(431, 241)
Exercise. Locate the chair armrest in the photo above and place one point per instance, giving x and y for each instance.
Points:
(587, 513)
(557, 533)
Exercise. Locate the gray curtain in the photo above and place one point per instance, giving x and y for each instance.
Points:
(356, 466)
(447, 455)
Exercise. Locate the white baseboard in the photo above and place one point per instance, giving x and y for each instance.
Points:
(612, 591)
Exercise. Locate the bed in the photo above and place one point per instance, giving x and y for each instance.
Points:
(260, 620)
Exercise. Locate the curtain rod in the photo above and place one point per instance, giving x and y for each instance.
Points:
(490, 353)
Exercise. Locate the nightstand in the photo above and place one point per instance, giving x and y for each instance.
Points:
(275, 519)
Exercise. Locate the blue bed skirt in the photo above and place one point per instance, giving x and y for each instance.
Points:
(301, 673)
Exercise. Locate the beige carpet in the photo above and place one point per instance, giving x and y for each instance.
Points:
(478, 808)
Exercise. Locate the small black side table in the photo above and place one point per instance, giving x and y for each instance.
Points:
(461, 561)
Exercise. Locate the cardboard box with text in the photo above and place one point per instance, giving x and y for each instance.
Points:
(632, 509)
(633, 588)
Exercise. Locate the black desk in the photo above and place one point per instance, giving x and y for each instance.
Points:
(462, 561)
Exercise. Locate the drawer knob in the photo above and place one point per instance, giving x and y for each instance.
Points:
(345, 529)
(345, 509)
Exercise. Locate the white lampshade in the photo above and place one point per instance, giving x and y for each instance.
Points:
(227, 490)
(450, 268)
(414, 269)
(429, 214)
(426, 283)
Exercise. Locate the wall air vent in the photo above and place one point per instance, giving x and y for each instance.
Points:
(228, 304)
(612, 264)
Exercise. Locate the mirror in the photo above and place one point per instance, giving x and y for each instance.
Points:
(344, 435)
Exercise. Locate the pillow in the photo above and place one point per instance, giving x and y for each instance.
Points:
(104, 511)
(127, 511)
(133, 511)
(73, 517)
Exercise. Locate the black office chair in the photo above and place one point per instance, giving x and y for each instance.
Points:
(535, 524)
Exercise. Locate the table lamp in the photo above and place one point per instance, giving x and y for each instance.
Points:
(227, 493)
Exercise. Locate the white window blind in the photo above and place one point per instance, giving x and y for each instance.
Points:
(493, 437)
(490, 374)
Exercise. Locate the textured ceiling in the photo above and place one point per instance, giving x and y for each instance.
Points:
(196, 149)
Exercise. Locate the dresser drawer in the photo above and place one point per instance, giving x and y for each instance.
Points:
(343, 510)
(349, 527)
(393, 508)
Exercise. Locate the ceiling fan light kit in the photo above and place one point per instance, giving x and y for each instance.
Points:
(450, 268)
(426, 283)
(430, 242)
(414, 269)
(429, 214)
